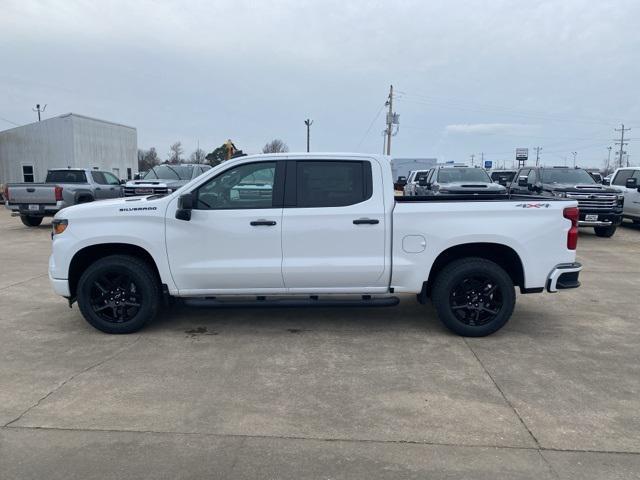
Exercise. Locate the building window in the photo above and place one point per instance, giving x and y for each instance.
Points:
(27, 173)
(128, 174)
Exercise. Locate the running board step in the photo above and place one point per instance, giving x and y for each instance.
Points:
(262, 302)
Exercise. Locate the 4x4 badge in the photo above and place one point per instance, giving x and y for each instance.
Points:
(533, 205)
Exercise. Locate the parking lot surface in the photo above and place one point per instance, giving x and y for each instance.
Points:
(322, 393)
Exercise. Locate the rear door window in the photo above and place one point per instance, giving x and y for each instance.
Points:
(332, 183)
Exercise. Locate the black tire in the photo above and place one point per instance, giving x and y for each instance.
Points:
(119, 294)
(30, 221)
(605, 232)
(476, 314)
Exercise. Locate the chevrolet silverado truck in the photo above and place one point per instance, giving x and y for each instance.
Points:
(62, 188)
(328, 230)
(163, 179)
(600, 206)
(458, 180)
(627, 181)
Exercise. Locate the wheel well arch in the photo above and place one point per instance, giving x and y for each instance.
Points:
(504, 256)
(88, 255)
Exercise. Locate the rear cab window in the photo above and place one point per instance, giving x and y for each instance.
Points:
(66, 176)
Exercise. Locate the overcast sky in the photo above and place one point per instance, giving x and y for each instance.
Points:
(470, 76)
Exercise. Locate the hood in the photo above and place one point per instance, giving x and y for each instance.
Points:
(568, 187)
(116, 206)
(156, 183)
(487, 187)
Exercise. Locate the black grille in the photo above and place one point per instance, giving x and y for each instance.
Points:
(140, 191)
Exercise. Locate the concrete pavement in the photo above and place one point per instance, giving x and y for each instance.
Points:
(326, 393)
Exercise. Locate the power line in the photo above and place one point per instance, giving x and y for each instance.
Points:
(9, 121)
(370, 126)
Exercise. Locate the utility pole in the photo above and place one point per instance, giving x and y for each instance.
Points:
(473, 155)
(392, 119)
(537, 149)
(608, 160)
(482, 160)
(621, 143)
(308, 123)
(575, 154)
(39, 110)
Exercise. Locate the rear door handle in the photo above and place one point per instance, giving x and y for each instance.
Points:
(366, 221)
(266, 223)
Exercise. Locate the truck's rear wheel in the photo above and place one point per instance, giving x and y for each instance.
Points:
(118, 294)
(30, 221)
(474, 297)
(605, 232)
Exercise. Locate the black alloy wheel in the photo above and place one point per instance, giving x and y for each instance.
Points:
(115, 297)
(476, 300)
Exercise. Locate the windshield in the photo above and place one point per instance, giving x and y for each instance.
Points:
(448, 175)
(567, 175)
(169, 172)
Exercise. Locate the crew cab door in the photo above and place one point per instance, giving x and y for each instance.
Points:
(232, 243)
(106, 185)
(333, 227)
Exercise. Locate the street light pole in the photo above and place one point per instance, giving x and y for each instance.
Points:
(308, 123)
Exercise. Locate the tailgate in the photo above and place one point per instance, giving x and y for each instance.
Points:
(32, 194)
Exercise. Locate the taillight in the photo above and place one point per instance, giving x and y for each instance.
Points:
(58, 193)
(5, 193)
(573, 214)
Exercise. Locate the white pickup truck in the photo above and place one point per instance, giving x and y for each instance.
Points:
(322, 229)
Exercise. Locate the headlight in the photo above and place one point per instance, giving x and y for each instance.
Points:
(59, 225)
(559, 194)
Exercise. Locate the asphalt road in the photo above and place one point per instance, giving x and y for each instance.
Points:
(325, 393)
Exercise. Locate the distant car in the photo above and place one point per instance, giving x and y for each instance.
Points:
(458, 180)
(62, 188)
(412, 182)
(503, 177)
(164, 179)
(400, 183)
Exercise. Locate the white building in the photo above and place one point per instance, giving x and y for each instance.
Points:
(70, 140)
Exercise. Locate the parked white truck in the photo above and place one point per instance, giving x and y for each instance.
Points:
(321, 229)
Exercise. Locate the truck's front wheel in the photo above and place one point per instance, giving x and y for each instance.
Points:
(474, 297)
(118, 294)
(30, 221)
(605, 231)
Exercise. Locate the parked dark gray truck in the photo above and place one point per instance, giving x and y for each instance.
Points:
(62, 188)
(600, 206)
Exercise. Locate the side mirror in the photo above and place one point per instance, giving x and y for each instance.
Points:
(122, 182)
(606, 181)
(631, 183)
(522, 181)
(185, 205)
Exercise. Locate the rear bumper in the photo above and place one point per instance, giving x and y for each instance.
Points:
(48, 210)
(564, 276)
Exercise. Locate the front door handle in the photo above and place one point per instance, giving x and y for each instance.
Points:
(366, 221)
(266, 223)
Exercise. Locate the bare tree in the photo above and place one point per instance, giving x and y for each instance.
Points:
(198, 156)
(147, 159)
(175, 153)
(275, 146)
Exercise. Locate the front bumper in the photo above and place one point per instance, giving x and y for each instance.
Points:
(47, 210)
(603, 219)
(564, 276)
(60, 286)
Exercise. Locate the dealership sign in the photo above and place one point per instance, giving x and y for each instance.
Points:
(522, 154)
